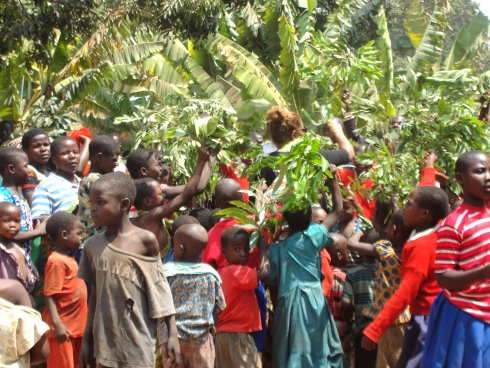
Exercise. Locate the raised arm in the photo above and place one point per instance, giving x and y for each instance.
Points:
(350, 122)
(190, 189)
(337, 135)
(333, 216)
(264, 267)
(84, 155)
(356, 245)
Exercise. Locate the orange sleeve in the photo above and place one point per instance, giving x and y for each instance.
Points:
(54, 275)
(428, 178)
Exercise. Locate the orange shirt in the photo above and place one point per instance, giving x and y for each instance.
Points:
(69, 293)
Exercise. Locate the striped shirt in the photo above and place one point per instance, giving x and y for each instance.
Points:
(53, 194)
(358, 288)
(464, 244)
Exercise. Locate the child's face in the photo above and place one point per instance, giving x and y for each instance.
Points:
(104, 206)
(476, 180)
(20, 170)
(154, 169)
(107, 164)
(347, 211)
(10, 219)
(67, 157)
(39, 151)
(157, 198)
(6, 130)
(411, 211)
(73, 238)
(318, 215)
(238, 250)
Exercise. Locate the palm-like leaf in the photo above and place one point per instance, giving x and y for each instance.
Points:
(289, 74)
(468, 39)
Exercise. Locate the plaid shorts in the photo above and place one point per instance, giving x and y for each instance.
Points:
(193, 354)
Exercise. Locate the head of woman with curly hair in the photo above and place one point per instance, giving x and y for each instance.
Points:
(284, 126)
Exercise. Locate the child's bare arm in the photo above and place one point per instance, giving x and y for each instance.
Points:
(39, 230)
(86, 358)
(264, 268)
(458, 280)
(356, 245)
(191, 188)
(333, 216)
(173, 348)
(84, 154)
(61, 332)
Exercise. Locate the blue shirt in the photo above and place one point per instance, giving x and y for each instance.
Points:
(53, 194)
(196, 298)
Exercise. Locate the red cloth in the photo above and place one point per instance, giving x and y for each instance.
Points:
(346, 175)
(64, 354)
(69, 293)
(75, 135)
(242, 312)
(418, 288)
(368, 207)
(428, 178)
(212, 254)
(327, 272)
(230, 171)
(464, 245)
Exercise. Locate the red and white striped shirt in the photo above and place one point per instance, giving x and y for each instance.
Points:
(464, 244)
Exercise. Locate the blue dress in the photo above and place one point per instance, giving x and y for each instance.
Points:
(304, 332)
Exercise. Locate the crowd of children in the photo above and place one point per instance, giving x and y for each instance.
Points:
(89, 249)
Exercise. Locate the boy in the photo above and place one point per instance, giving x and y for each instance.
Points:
(387, 282)
(149, 198)
(338, 259)
(176, 224)
(129, 291)
(235, 347)
(426, 206)
(358, 294)
(196, 289)
(65, 294)
(14, 263)
(14, 170)
(144, 163)
(120, 165)
(104, 153)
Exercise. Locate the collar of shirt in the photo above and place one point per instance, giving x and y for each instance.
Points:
(414, 235)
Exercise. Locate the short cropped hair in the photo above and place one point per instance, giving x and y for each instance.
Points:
(228, 190)
(56, 144)
(202, 214)
(138, 159)
(300, 219)
(31, 133)
(231, 233)
(10, 156)
(58, 222)
(434, 200)
(214, 218)
(372, 235)
(183, 220)
(143, 190)
(118, 184)
(102, 144)
(465, 160)
(397, 220)
(5, 205)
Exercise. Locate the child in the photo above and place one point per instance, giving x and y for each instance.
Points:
(358, 294)
(176, 224)
(129, 291)
(37, 146)
(235, 347)
(121, 167)
(426, 206)
(6, 130)
(387, 282)
(202, 214)
(197, 294)
(149, 198)
(338, 259)
(14, 263)
(14, 170)
(66, 295)
(143, 163)
(459, 332)
(304, 330)
(104, 153)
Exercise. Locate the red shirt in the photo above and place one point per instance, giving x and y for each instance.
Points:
(464, 244)
(327, 272)
(69, 293)
(242, 312)
(418, 288)
(231, 171)
(368, 207)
